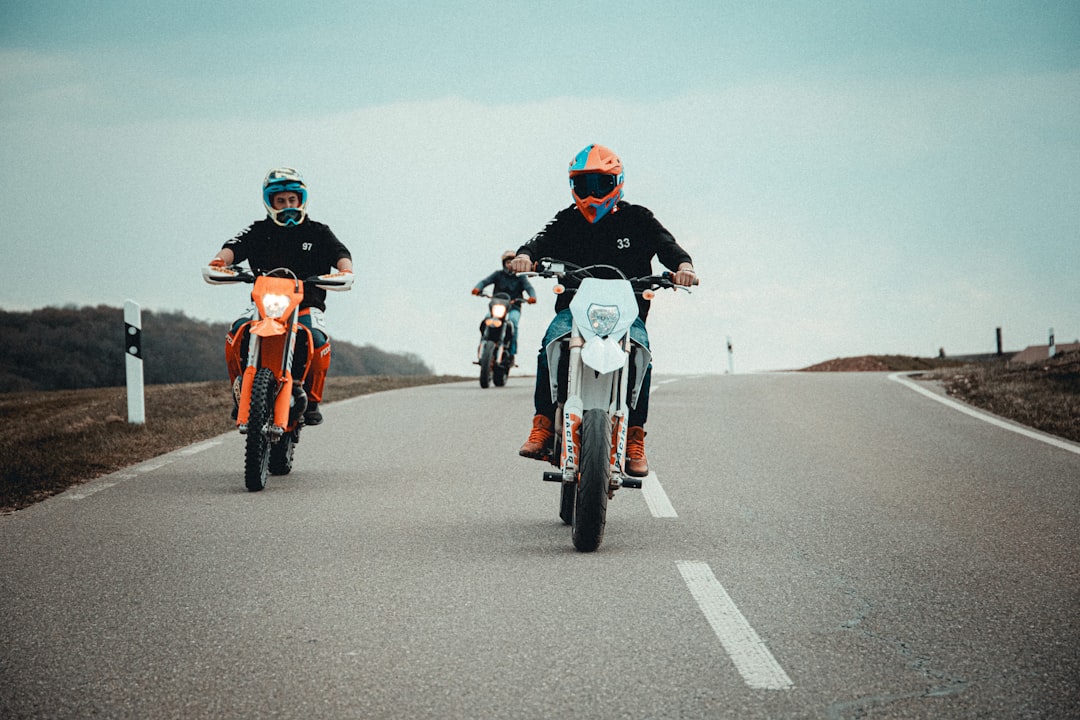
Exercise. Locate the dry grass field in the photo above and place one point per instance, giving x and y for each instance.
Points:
(61, 438)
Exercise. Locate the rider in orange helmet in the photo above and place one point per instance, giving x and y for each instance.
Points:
(599, 228)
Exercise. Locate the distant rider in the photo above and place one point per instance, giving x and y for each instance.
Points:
(288, 238)
(514, 285)
(599, 228)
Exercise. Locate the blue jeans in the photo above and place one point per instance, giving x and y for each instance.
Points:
(560, 325)
(514, 317)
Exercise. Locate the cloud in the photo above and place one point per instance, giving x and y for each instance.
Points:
(824, 218)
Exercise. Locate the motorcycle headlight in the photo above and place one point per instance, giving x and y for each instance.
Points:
(498, 311)
(275, 305)
(603, 318)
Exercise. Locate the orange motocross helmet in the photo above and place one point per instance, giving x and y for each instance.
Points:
(596, 181)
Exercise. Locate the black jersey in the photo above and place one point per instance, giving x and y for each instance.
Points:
(516, 286)
(628, 238)
(307, 249)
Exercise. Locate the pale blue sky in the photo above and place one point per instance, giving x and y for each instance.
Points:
(851, 177)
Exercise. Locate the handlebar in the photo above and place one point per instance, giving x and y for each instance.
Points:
(512, 301)
(561, 269)
(238, 274)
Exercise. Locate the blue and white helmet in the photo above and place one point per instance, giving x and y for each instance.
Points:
(285, 179)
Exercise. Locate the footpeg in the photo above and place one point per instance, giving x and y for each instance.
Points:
(553, 477)
(630, 482)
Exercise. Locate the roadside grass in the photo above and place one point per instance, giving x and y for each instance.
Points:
(1043, 395)
(53, 440)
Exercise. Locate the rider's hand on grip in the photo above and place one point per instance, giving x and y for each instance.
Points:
(685, 276)
(216, 272)
(339, 281)
(531, 301)
(522, 263)
(476, 291)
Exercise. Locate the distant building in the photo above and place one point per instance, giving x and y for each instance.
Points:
(1035, 353)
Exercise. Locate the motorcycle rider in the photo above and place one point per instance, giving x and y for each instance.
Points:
(599, 228)
(288, 238)
(514, 285)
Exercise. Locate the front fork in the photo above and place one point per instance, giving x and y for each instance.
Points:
(243, 413)
(500, 344)
(573, 412)
(284, 396)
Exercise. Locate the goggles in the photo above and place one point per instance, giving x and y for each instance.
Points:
(290, 216)
(597, 185)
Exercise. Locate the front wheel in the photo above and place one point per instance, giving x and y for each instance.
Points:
(487, 352)
(260, 417)
(594, 477)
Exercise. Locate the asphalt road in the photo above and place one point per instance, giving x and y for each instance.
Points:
(808, 546)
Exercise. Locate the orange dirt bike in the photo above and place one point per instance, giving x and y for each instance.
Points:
(271, 398)
(596, 375)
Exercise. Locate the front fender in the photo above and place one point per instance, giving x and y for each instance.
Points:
(493, 329)
(267, 327)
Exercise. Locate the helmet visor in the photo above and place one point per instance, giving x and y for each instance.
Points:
(597, 185)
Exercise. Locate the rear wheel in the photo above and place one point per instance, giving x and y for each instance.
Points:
(281, 454)
(594, 476)
(566, 503)
(487, 352)
(257, 450)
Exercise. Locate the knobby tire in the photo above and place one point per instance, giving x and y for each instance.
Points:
(281, 454)
(257, 449)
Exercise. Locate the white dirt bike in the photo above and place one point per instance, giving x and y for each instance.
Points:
(596, 374)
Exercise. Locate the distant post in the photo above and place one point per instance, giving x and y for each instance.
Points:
(1053, 349)
(133, 360)
(730, 357)
(999, 341)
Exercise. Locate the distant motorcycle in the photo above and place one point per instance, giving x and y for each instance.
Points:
(271, 403)
(591, 376)
(496, 338)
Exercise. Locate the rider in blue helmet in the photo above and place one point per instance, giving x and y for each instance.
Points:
(288, 238)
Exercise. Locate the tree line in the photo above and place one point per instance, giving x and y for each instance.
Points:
(71, 348)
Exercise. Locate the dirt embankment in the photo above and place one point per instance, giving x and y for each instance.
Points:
(882, 363)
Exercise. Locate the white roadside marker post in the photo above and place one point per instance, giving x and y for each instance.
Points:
(134, 362)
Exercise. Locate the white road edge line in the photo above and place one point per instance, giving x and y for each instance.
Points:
(752, 659)
(192, 450)
(655, 497)
(134, 471)
(87, 491)
(901, 377)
